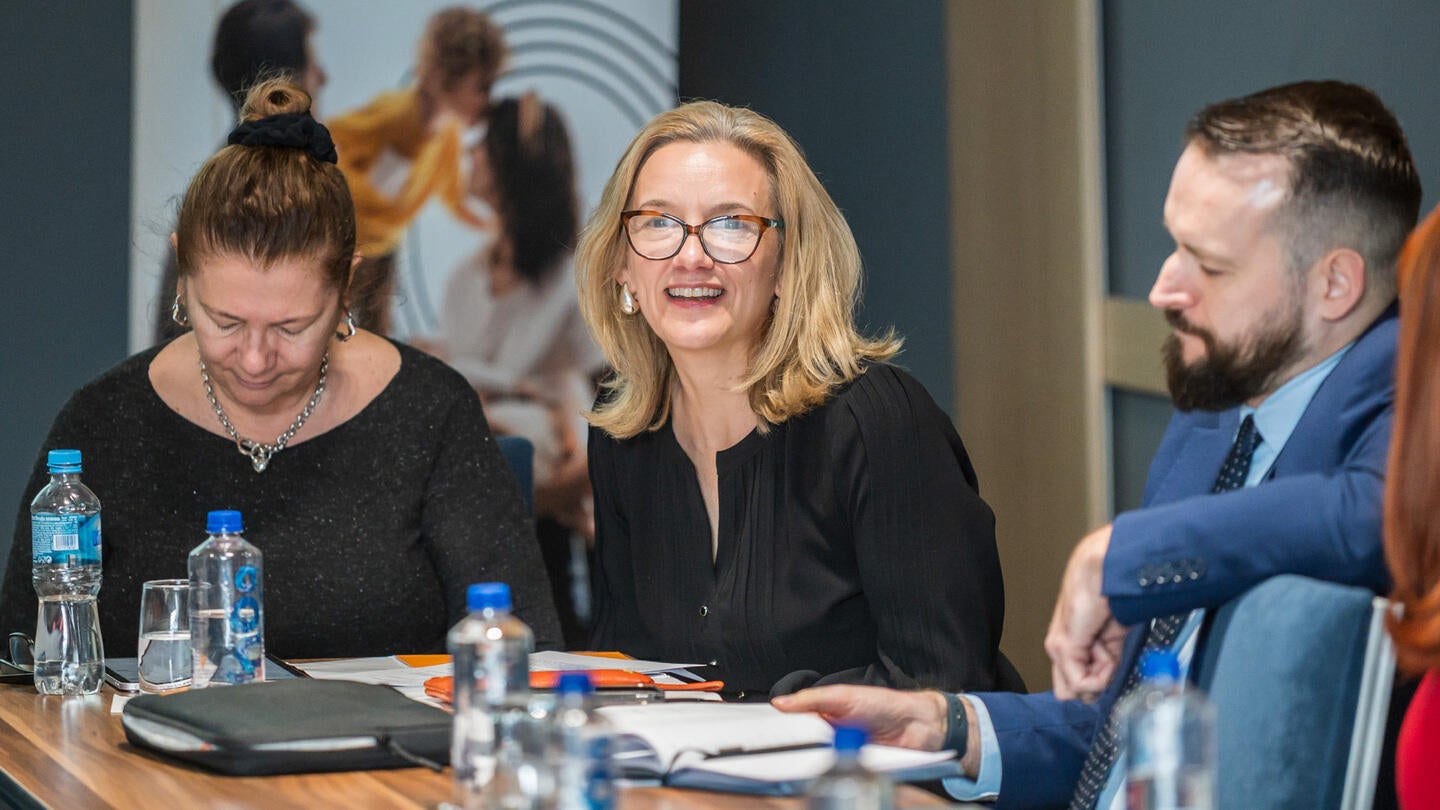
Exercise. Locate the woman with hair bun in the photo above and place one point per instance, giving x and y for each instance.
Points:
(254, 38)
(364, 468)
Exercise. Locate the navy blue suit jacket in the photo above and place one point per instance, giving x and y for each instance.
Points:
(1317, 514)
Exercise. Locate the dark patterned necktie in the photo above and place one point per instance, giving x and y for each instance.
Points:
(1161, 635)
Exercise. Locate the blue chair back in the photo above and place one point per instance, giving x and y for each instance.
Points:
(520, 455)
(1299, 672)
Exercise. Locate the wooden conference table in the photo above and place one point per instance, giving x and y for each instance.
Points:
(71, 753)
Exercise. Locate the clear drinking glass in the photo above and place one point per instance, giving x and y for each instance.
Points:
(164, 649)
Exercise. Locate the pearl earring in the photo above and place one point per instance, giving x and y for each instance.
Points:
(627, 301)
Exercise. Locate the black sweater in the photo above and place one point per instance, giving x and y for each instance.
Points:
(371, 531)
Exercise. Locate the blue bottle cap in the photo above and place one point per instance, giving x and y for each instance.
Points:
(63, 461)
(488, 595)
(1159, 665)
(224, 521)
(849, 738)
(575, 683)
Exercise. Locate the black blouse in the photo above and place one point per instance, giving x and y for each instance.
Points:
(852, 543)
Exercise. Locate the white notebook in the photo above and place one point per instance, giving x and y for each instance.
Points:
(745, 748)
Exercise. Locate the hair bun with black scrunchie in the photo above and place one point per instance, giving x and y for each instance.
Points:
(296, 131)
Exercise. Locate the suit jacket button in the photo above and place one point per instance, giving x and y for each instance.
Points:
(704, 611)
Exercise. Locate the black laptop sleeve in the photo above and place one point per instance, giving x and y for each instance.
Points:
(291, 726)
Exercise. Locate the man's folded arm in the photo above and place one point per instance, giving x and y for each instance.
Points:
(1325, 526)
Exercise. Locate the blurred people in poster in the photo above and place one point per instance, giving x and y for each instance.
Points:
(511, 323)
(511, 319)
(405, 147)
(254, 38)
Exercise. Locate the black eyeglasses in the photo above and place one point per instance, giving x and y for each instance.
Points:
(728, 239)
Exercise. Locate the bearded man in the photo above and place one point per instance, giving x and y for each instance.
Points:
(1288, 209)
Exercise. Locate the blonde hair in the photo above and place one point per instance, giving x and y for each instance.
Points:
(810, 346)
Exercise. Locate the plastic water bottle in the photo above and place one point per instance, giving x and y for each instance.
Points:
(848, 785)
(579, 752)
(65, 567)
(1169, 740)
(227, 606)
(491, 649)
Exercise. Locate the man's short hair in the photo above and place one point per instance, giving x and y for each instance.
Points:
(1352, 181)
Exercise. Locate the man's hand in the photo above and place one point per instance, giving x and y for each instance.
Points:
(895, 717)
(891, 716)
(1084, 641)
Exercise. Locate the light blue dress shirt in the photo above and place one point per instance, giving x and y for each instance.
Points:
(1275, 419)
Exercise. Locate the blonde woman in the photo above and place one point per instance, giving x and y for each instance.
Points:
(771, 497)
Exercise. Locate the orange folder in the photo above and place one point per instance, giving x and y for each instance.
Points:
(443, 688)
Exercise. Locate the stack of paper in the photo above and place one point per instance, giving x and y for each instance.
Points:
(408, 673)
(745, 748)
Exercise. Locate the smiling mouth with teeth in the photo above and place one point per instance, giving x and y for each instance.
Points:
(693, 292)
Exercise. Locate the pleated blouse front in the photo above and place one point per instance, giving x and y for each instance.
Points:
(853, 544)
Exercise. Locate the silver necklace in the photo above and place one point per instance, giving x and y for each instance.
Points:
(259, 453)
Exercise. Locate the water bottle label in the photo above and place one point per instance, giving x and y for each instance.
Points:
(599, 792)
(73, 539)
(245, 626)
(245, 579)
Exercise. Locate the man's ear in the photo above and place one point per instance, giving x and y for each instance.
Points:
(1341, 276)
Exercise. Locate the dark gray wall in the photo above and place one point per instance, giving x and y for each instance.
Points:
(861, 86)
(65, 160)
(1164, 59)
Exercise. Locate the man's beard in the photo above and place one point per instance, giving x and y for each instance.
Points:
(1231, 374)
